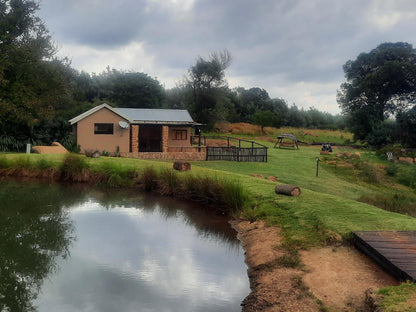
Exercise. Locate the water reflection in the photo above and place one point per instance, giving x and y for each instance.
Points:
(135, 253)
(34, 231)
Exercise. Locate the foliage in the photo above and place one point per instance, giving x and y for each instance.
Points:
(407, 175)
(205, 86)
(27, 53)
(379, 84)
(114, 175)
(406, 127)
(74, 168)
(380, 134)
(392, 169)
(130, 89)
(264, 118)
(149, 178)
(400, 203)
(168, 181)
(38, 232)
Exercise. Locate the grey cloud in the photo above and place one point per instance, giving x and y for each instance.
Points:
(297, 40)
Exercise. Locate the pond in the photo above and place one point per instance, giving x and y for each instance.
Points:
(73, 248)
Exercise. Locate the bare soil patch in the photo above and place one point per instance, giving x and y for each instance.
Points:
(273, 287)
(338, 276)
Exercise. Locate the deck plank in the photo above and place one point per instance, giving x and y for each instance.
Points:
(394, 251)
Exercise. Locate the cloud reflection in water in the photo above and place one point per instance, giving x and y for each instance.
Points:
(136, 258)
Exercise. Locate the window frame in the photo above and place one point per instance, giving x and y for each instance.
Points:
(107, 131)
(178, 134)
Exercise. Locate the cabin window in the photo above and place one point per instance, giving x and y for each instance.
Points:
(179, 134)
(103, 128)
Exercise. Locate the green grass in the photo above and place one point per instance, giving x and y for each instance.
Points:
(398, 298)
(332, 205)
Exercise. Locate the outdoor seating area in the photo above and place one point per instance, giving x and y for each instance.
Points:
(287, 140)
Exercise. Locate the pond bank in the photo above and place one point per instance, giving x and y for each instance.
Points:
(328, 279)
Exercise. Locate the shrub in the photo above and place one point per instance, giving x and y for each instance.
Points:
(168, 182)
(407, 175)
(391, 202)
(149, 179)
(43, 164)
(392, 169)
(114, 175)
(23, 163)
(4, 163)
(227, 196)
(74, 168)
(369, 173)
(234, 195)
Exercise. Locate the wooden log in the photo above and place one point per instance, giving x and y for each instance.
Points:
(181, 165)
(285, 189)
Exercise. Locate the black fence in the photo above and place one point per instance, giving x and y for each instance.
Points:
(231, 149)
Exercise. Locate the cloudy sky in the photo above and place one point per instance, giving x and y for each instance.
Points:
(294, 49)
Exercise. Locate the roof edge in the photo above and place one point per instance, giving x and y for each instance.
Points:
(95, 109)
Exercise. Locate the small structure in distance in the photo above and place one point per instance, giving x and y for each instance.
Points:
(287, 140)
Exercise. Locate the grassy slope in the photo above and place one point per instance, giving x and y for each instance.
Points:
(327, 201)
(327, 198)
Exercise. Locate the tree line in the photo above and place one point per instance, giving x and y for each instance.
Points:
(39, 92)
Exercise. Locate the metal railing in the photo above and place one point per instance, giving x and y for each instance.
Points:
(231, 149)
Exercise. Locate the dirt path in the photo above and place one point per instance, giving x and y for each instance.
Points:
(337, 276)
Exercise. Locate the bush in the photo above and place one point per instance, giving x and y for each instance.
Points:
(234, 195)
(369, 173)
(43, 164)
(168, 182)
(114, 175)
(4, 163)
(23, 163)
(392, 202)
(149, 179)
(407, 176)
(74, 168)
(392, 169)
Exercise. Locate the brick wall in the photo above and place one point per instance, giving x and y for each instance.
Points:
(165, 139)
(134, 138)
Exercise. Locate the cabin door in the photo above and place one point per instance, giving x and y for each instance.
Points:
(150, 138)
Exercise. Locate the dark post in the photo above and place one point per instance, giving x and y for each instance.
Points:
(317, 165)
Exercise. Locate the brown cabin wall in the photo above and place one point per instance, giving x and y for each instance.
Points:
(172, 141)
(109, 142)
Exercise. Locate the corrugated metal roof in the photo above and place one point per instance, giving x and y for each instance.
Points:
(143, 115)
(148, 115)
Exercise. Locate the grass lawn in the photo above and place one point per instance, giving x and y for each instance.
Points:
(328, 202)
(327, 209)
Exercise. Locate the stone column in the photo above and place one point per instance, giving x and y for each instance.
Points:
(135, 138)
(165, 138)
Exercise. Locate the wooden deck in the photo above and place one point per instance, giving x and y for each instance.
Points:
(394, 251)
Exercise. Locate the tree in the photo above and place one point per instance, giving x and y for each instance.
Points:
(379, 84)
(34, 234)
(131, 89)
(251, 101)
(206, 81)
(281, 109)
(406, 127)
(264, 119)
(32, 82)
(208, 74)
